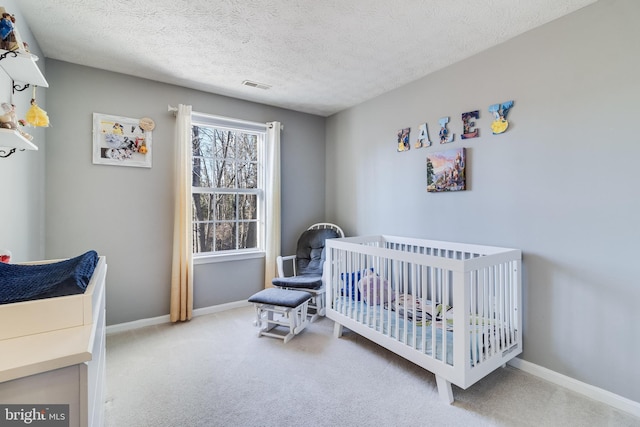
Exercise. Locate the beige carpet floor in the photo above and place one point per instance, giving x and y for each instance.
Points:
(215, 371)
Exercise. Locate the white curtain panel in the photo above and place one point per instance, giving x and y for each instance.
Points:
(272, 190)
(182, 267)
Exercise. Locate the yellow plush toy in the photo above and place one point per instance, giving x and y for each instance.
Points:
(36, 116)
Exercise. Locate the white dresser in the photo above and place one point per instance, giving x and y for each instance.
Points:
(52, 351)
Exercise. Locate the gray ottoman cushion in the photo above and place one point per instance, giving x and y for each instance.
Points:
(304, 282)
(280, 297)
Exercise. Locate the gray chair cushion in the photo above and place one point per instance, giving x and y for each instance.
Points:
(310, 281)
(280, 297)
(310, 251)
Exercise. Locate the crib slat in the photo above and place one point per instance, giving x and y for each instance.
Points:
(423, 294)
(473, 309)
(513, 306)
(500, 282)
(434, 278)
(483, 321)
(444, 301)
(493, 312)
(389, 313)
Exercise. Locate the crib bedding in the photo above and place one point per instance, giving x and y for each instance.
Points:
(410, 332)
(406, 331)
(393, 322)
(418, 309)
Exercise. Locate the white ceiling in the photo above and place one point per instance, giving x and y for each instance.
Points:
(318, 56)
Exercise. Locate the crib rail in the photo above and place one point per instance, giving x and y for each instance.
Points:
(452, 308)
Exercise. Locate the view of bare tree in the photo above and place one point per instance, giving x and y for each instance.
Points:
(225, 185)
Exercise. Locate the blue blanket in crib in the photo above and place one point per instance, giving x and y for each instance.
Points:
(21, 282)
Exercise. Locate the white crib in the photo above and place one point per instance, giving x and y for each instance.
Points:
(414, 296)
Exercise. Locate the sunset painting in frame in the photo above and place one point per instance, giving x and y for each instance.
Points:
(446, 171)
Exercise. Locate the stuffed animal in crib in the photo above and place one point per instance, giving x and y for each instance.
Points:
(375, 290)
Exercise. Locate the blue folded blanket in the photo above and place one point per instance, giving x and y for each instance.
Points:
(19, 282)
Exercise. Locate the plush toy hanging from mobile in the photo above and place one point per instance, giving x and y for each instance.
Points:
(36, 116)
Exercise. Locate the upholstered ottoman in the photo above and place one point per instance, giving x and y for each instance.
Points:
(281, 307)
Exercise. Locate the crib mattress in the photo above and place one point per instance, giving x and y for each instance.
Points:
(407, 331)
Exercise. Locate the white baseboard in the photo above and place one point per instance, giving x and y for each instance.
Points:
(595, 393)
(222, 307)
(128, 326)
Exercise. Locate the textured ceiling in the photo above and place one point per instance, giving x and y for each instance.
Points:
(318, 56)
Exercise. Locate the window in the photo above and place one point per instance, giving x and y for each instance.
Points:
(228, 185)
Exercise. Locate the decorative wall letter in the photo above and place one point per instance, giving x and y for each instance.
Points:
(500, 111)
(423, 137)
(403, 139)
(467, 124)
(444, 132)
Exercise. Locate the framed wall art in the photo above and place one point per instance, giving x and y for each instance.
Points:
(446, 171)
(122, 141)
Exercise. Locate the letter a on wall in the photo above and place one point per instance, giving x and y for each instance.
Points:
(423, 137)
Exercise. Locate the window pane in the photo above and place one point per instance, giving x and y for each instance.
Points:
(202, 225)
(225, 236)
(202, 141)
(225, 174)
(202, 172)
(248, 235)
(202, 237)
(247, 175)
(247, 147)
(202, 207)
(248, 206)
(225, 207)
(225, 144)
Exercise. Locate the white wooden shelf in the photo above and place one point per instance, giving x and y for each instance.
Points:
(22, 67)
(10, 138)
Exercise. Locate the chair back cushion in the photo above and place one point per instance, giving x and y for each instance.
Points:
(310, 252)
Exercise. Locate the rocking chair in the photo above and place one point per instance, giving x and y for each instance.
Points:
(308, 266)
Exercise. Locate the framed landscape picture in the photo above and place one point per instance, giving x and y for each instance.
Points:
(121, 141)
(446, 171)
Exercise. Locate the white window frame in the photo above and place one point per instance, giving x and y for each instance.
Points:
(220, 122)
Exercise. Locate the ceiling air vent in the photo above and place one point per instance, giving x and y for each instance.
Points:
(256, 84)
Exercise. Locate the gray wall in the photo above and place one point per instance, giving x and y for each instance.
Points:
(22, 173)
(560, 184)
(126, 213)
